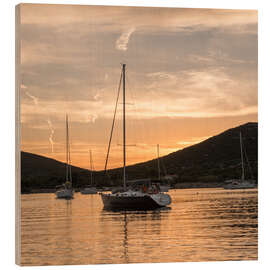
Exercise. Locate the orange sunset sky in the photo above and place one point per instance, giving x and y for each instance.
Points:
(191, 74)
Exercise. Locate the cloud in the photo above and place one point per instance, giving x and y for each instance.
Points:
(192, 141)
(109, 17)
(183, 63)
(210, 92)
(35, 99)
(122, 42)
(99, 94)
(93, 117)
(96, 96)
(51, 135)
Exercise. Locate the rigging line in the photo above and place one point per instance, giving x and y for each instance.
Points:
(111, 134)
(136, 118)
(158, 162)
(66, 148)
(249, 166)
(93, 168)
(163, 166)
(142, 135)
(69, 159)
(90, 166)
(131, 124)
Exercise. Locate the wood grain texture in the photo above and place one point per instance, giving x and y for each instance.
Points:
(17, 136)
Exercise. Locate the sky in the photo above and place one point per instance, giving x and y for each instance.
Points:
(191, 74)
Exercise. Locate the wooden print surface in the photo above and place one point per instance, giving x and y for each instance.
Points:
(136, 135)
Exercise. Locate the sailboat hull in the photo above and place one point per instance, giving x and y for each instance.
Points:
(92, 190)
(65, 194)
(240, 185)
(145, 202)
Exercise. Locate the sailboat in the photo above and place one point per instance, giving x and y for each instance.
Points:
(90, 189)
(243, 182)
(145, 197)
(66, 191)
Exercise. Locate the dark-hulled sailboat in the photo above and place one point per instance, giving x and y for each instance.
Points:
(140, 198)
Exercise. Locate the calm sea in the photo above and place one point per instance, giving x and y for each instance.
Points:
(200, 225)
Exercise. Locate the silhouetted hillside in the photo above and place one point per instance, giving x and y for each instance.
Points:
(211, 161)
(215, 159)
(42, 172)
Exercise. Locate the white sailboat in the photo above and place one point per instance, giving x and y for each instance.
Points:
(242, 183)
(90, 189)
(66, 191)
(144, 198)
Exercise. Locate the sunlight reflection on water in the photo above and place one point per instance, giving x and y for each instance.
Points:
(200, 225)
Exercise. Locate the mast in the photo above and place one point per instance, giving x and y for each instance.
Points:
(242, 159)
(158, 162)
(91, 167)
(68, 167)
(66, 148)
(124, 124)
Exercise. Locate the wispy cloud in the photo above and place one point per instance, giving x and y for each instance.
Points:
(192, 141)
(35, 99)
(93, 117)
(51, 135)
(122, 42)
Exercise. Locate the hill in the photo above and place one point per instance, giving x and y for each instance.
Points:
(213, 160)
(208, 163)
(39, 172)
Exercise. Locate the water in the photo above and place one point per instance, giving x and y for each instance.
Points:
(200, 225)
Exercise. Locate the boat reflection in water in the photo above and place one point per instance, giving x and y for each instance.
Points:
(133, 220)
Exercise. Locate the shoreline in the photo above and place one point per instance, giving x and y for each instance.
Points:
(177, 186)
